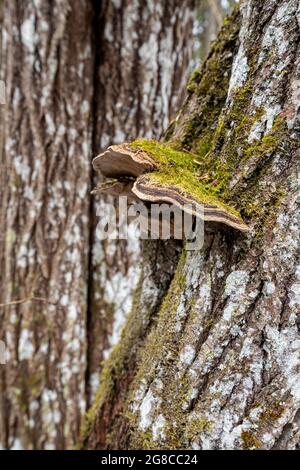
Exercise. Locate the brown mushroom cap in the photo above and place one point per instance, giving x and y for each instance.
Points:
(121, 160)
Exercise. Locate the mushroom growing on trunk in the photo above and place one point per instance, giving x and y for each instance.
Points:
(153, 172)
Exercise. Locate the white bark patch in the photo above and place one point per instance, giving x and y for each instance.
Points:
(139, 394)
(119, 292)
(240, 66)
(28, 33)
(276, 43)
(295, 100)
(269, 288)
(146, 410)
(17, 445)
(94, 382)
(294, 295)
(285, 346)
(188, 355)
(234, 288)
(26, 347)
(50, 124)
(108, 32)
(236, 284)
(158, 428)
(22, 168)
(247, 348)
(240, 71)
(116, 3)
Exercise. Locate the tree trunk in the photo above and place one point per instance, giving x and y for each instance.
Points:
(143, 52)
(211, 14)
(45, 162)
(78, 75)
(212, 361)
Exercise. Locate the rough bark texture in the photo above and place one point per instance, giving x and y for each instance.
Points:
(217, 365)
(77, 74)
(44, 218)
(142, 52)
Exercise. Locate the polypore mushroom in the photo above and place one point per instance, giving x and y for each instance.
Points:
(154, 173)
(147, 190)
(121, 160)
(115, 188)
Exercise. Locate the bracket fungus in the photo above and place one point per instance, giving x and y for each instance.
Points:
(122, 161)
(154, 172)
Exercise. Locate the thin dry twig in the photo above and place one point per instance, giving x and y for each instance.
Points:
(28, 299)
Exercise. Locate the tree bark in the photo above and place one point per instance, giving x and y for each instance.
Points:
(45, 163)
(78, 75)
(143, 52)
(212, 360)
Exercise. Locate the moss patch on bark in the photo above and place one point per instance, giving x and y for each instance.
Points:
(180, 170)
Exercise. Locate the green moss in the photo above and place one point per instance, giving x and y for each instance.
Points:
(212, 144)
(161, 353)
(144, 441)
(166, 155)
(196, 427)
(162, 338)
(208, 88)
(208, 324)
(272, 414)
(115, 365)
(204, 170)
(229, 138)
(10, 237)
(218, 134)
(231, 154)
(267, 418)
(193, 81)
(250, 441)
(180, 170)
(162, 335)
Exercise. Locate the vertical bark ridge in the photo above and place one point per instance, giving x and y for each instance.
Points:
(219, 369)
(47, 68)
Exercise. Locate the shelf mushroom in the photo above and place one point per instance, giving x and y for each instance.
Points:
(132, 170)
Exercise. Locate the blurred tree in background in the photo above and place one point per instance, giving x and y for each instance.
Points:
(210, 16)
(79, 76)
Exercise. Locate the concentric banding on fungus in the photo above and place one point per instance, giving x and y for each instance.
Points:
(151, 191)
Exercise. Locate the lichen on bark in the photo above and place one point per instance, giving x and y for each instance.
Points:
(79, 75)
(219, 367)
